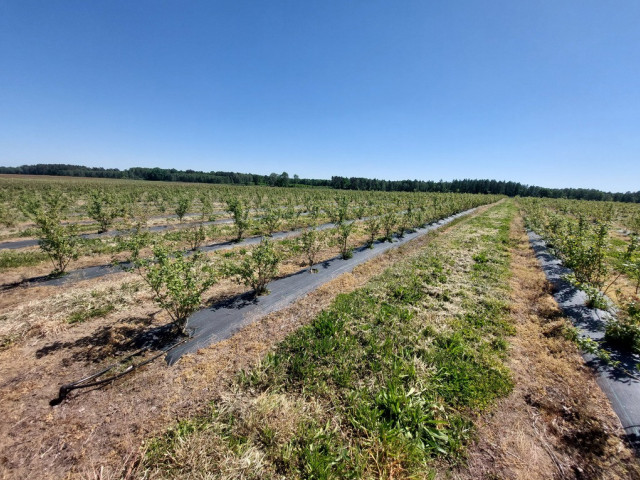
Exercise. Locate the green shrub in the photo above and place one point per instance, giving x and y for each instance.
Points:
(104, 208)
(240, 213)
(624, 330)
(177, 280)
(57, 240)
(343, 232)
(258, 267)
(311, 242)
(184, 203)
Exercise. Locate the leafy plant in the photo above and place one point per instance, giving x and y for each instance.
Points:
(206, 207)
(595, 298)
(630, 262)
(588, 345)
(311, 242)
(271, 219)
(59, 241)
(184, 203)
(240, 212)
(372, 227)
(177, 280)
(338, 213)
(258, 267)
(196, 236)
(7, 218)
(344, 231)
(104, 207)
(137, 239)
(389, 221)
(405, 222)
(624, 329)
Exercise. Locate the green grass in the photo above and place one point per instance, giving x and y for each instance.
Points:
(88, 313)
(99, 303)
(386, 382)
(12, 259)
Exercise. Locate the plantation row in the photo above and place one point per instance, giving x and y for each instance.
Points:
(599, 241)
(249, 211)
(615, 215)
(176, 268)
(106, 201)
(374, 375)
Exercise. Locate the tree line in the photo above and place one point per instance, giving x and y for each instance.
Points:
(497, 187)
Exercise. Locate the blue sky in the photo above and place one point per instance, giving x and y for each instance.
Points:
(541, 92)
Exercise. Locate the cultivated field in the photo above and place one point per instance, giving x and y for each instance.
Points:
(445, 357)
(599, 241)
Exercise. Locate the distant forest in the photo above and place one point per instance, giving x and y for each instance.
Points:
(510, 189)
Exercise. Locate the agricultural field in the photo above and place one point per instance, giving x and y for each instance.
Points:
(441, 358)
(600, 242)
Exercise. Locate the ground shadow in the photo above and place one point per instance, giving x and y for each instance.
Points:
(114, 340)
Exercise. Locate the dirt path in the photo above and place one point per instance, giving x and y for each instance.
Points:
(98, 433)
(557, 423)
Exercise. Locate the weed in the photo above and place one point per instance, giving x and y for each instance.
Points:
(92, 312)
(10, 259)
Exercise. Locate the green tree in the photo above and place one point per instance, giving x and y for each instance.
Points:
(283, 180)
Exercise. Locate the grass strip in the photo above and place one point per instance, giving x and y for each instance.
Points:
(385, 383)
(12, 259)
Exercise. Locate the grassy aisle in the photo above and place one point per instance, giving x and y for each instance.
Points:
(557, 422)
(385, 383)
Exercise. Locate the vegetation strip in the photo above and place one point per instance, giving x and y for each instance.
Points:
(222, 320)
(81, 173)
(97, 271)
(622, 388)
(17, 244)
(102, 270)
(557, 422)
(386, 380)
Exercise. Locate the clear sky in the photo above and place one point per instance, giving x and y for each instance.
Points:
(544, 92)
